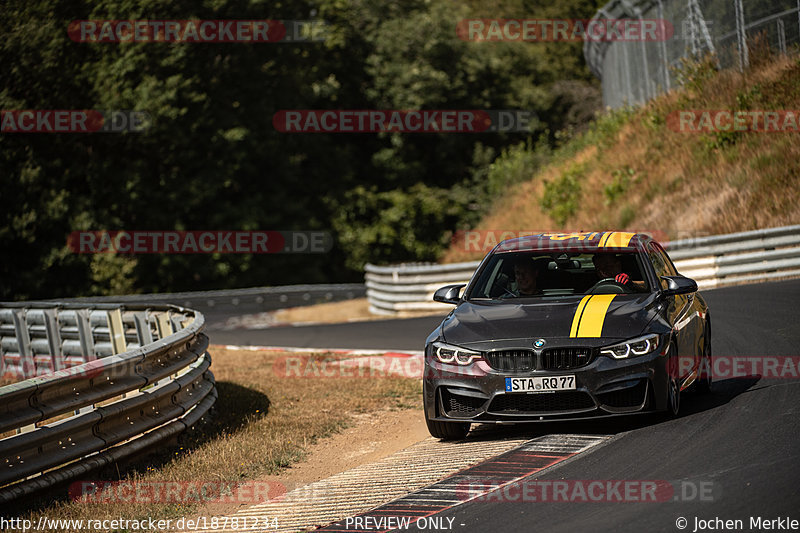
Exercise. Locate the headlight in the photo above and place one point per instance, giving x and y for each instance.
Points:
(638, 346)
(454, 355)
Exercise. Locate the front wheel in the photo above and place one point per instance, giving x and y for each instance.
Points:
(447, 430)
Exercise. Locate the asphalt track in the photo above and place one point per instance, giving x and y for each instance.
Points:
(742, 442)
(748, 320)
(393, 334)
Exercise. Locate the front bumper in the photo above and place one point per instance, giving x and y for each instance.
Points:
(604, 387)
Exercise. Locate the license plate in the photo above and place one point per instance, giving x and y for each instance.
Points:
(540, 384)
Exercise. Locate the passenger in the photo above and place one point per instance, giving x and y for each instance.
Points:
(526, 272)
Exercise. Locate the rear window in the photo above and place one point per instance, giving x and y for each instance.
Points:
(531, 275)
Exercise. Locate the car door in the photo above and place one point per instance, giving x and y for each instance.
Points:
(692, 321)
(679, 311)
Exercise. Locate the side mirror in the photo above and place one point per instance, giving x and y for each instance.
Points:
(448, 294)
(679, 285)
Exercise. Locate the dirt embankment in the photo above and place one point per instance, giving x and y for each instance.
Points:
(678, 184)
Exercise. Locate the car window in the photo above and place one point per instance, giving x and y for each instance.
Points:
(661, 263)
(491, 277)
(667, 260)
(563, 274)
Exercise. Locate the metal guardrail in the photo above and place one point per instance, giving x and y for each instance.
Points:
(712, 261)
(104, 382)
(249, 299)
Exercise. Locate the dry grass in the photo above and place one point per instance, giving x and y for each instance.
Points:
(681, 184)
(262, 424)
(336, 312)
(332, 312)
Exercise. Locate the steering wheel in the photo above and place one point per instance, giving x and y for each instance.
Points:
(612, 285)
(507, 291)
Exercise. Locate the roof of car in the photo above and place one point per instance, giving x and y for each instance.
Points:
(590, 241)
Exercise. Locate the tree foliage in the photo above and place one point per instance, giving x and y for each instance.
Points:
(212, 159)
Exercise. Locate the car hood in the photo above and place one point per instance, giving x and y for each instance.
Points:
(487, 324)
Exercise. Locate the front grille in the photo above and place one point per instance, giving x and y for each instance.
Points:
(565, 358)
(628, 397)
(455, 404)
(550, 359)
(542, 402)
(512, 360)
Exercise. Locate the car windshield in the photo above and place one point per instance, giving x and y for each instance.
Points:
(531, 275)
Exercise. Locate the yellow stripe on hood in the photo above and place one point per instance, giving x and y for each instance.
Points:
(573, 332)
(590, 315)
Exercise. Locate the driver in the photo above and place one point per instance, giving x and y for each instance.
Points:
(610, 266)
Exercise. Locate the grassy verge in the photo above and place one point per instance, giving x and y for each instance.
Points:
(345, 311)
(262, 423)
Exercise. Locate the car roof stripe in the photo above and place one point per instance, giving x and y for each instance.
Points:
(618, 239)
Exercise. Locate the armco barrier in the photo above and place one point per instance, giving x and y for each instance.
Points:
(103, 382)
(712, 261)
(250, 300)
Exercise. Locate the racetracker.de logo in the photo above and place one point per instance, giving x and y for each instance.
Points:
(588, 490)
(72, 121)
(175, 492)
(199, 242)
(485, 240)
(338, 366)
(741, 367)
(402, 121)
(566, 30)
(725, 120)
(196, 31)
(342, 366)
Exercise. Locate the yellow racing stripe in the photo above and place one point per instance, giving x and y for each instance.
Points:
(617, 239)
(573, 332)
(594, 315)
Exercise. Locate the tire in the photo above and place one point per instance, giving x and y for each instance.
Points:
(673, 389)
(448, 430)
(706, 377)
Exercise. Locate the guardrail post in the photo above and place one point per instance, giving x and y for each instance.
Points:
(53, 339)
(177, 322)
(85, 336)
(86, 339)
(163, 325)
(142, 328)
(26, 364)
(164, 328)
(116, 331)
